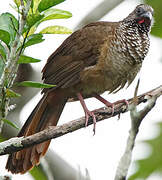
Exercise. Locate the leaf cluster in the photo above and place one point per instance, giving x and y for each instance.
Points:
(39, 12)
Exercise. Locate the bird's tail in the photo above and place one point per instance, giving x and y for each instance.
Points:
(46, 113)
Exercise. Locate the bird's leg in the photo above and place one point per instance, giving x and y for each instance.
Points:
(87, 112)
(109, 104)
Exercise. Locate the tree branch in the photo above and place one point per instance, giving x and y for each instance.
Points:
(16, 144)
(136, 119)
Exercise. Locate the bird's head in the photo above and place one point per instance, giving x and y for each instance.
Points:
(141, 17)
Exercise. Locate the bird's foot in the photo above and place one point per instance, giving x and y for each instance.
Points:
(88, 113)
(109, 104)
(124, 101)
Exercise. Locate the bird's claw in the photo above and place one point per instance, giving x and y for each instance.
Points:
(89, 114)
(124, 101)
(112, 105)
(109, 104)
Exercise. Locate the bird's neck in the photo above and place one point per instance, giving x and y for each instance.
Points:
(136, 41)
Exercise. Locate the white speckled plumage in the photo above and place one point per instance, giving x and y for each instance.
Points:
(125, 47)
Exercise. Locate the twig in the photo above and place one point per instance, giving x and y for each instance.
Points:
(136, 119)
(11, 66)
(16, 144)
(12, 57)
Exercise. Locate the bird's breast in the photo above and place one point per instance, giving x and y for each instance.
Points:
(119, 62)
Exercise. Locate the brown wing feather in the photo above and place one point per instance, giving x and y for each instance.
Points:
(80, 50)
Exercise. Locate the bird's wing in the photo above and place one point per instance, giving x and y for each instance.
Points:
(78, 51)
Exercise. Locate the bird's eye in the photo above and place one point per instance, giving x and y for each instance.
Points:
(139, 10)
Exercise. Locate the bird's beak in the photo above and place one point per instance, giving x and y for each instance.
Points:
(148, 15)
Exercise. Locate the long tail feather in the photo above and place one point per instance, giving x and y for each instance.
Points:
(46, 113)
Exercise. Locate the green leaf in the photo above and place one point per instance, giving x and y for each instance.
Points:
(11, 94)
(32, 19)
(8, 26)
(10, 123)
(4, 36)
(1, 140)
(32, 4)
(17, 2)
(38, 173)
(56, 30)
(2, 58)
(2, 51)
(27, 59)
(35, 5)
(35, 84)
(157, 27)
(33, 39)
(56, 14)
(35, 20)
(152, 163)
(46, 4)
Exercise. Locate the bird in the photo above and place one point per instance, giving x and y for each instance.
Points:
(101, 56)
